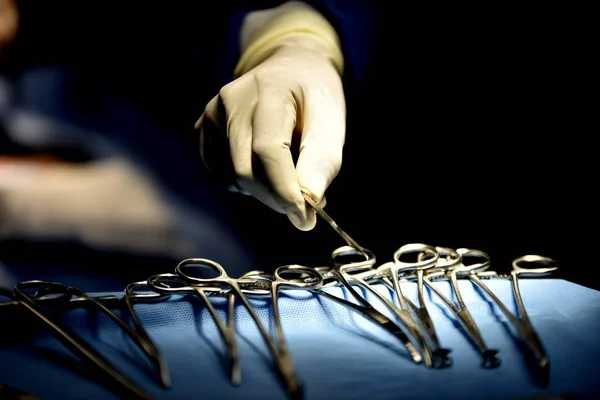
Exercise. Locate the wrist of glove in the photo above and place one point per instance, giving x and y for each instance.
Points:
(293, 24)
(279, 127)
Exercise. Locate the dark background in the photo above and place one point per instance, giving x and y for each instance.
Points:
(467, 131)
(471, 131)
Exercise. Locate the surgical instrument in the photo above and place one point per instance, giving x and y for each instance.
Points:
(351, 242)
(47, 296)
(459, 308)
(368, 311)
(290, 381)
(68, 337)
(60, 301)
(427, 258)
(357, 273)
(132, 295)
(185, 270)
(288, 276)
(170, 283)
(370, 261)
(521, 322)
(433, 355)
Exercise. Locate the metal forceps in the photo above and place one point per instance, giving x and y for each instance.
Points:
(351, 242)
(168, 284)
(223, 281)
(459, 308)
(291, 277)
(69, 338)
(366, 310)
(358, 273)
(132, 295)
(427, 257)
(338, 272)
(522, 323)
(64, 300)
(342, 273)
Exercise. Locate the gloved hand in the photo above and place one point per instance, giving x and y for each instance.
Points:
(284, 117)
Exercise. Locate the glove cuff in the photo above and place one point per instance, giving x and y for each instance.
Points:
(291, 20)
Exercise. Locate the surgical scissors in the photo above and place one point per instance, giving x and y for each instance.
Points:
(459, 308)
(521, 322)
(427, 258)
(169, 283)
(69, 338)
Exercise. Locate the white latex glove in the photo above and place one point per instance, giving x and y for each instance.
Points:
(286, 102)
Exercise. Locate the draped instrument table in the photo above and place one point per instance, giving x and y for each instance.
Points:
(338, 353)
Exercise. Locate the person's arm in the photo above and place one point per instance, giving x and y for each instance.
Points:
(355, 22)
(281, 119)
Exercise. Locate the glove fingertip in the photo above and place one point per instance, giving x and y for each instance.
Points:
(323, 202)
(303, 225)
(316, 191)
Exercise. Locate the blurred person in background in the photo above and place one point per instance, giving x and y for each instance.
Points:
(105, 108)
